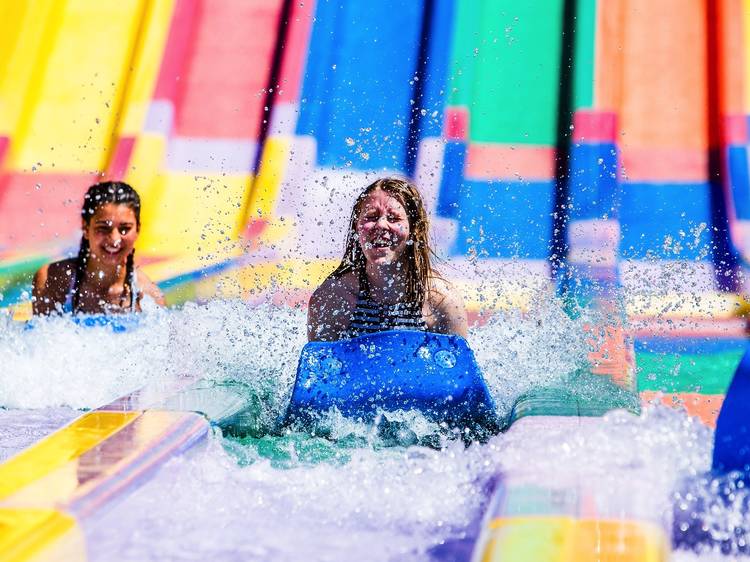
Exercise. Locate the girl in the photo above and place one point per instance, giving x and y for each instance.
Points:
(385, 280)
(103, 278)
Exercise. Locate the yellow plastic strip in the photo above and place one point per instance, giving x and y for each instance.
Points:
(680, 305)
(39, 534)
(265, 190)
(563, 539)
(60, 448)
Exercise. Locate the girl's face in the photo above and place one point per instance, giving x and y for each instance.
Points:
(111, 232)
(382, 228)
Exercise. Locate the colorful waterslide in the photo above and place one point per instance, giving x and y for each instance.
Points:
(564, 147)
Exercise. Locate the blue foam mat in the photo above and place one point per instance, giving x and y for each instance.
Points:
(712, 510)
(732, 437)
(399, 369)
(116, 322)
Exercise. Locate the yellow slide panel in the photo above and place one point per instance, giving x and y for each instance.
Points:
(146, 65)
(193, 213)
(58, 449)
(26, 31)
(70, 114)
(146, 162)
(39, 535)
(565, 539)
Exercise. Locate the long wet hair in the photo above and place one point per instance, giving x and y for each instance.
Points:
(119, 193)
(417, 254)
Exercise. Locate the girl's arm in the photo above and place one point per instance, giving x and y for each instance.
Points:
(448, 310)
(149, 288)
(40, 302)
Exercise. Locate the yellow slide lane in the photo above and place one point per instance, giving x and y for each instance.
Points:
(39, 535)
(194, 213)
(70, 111)
(27, 30)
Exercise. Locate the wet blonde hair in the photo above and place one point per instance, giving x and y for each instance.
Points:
(418, 253)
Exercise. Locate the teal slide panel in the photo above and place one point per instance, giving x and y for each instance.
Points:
(580, 394)
(585, 44)
(517, 72)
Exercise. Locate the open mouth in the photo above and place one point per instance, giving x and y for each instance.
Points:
(112, 250)
(381, 243)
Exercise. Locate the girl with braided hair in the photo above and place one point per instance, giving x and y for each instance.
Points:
(103, 277)
(385, 280)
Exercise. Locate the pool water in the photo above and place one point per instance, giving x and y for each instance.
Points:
(353, 492)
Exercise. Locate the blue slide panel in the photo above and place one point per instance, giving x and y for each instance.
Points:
(436, 67)
(693, 346)
(666, 221)
(505, 219)
(359, 79)
(393, 370)
(738, 177)
(449, 196)
(593, 181)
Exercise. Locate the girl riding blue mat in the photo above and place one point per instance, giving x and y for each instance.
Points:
(103, 277)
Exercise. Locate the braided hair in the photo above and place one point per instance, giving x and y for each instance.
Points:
(119, 193)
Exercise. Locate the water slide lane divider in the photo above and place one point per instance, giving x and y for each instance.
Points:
(278, 117)
(47, 489)
(118, 149)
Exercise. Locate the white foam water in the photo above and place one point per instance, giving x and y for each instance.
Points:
(289, 497)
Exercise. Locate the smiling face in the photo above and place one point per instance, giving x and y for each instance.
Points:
(111, 232)
(382, 228)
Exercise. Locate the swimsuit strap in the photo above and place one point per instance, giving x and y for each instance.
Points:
(364, 284)
(133, 289)
(67, 306)
(369, 316)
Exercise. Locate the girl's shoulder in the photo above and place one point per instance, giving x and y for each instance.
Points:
(446, 308)
(56, 273)
(441, 289)
(344, 286)
(52, 282)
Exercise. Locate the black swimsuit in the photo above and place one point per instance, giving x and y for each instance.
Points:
(370, 317)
